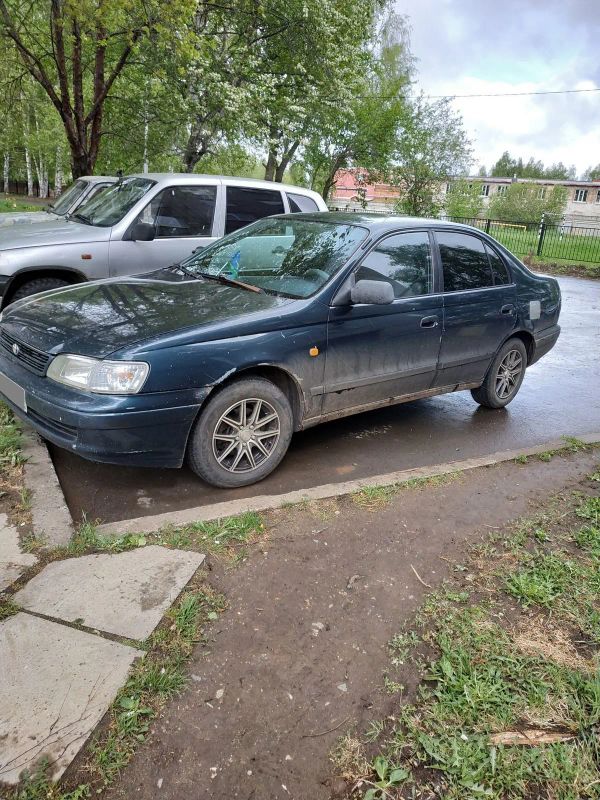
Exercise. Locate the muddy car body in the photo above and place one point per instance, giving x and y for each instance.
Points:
(296, 320)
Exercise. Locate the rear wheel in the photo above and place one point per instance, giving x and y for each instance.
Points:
(242, 434)
(37, 285)
(504, 377)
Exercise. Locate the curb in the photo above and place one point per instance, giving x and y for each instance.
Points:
(269, 502)
(50, 515)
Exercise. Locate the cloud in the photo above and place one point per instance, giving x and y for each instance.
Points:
(486, 47)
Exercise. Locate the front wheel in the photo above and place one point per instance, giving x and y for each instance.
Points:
(37, 285)
(504, 377)
(242, 433)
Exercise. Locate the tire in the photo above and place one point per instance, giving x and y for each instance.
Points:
(36, 286)
(504, 377)
(215, 442)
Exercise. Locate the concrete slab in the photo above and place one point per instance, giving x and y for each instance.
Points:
(57, 683)
(124, 593)
(13, 562)
(51, 518)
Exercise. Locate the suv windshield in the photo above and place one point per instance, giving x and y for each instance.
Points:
(108, 207)
(68, 198)
(288, 256)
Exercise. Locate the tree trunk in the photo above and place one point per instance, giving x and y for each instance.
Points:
(29, 173)
(271, 166)
(6, 172)
(58, 172)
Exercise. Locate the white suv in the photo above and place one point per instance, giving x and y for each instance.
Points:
(141, 223)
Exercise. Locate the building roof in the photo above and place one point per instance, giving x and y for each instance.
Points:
(541, 181)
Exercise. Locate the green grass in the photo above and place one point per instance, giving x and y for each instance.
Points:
(221, 537)
(7, 608)
(10, 439)
(17, 205)
(487, 678)
(568, 247)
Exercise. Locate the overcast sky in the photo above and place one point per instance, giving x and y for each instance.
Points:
(487, 46)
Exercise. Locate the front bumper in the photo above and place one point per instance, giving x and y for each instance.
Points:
(143, 430)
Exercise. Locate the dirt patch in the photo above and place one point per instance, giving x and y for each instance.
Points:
(539, 636)
(299, 658)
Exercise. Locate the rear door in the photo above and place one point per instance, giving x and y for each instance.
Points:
(376, 352)
(479, 306)
(183, 218)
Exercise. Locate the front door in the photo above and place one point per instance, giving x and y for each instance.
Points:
(479, 307)
(183, 218)
(378, 352)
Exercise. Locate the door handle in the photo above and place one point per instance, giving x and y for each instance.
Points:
(429, 322)
(508, 309)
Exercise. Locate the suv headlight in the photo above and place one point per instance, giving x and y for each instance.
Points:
(104, 377)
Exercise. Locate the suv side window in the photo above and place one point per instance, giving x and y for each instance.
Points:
(299, 202)
(404, 261)
(464, 261)
(245, 205)
(181, 211)
(499, 270)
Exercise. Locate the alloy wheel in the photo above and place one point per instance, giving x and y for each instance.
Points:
(246, 435)
(509, 372)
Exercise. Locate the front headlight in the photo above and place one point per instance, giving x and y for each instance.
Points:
(103, 377)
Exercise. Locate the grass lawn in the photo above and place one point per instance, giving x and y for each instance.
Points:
(9, 205)
(507, 703)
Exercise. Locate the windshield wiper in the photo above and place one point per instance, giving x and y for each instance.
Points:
(231, 281)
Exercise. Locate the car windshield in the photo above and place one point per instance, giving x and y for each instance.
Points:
(110, 206)
(292, 257)
(68, 198)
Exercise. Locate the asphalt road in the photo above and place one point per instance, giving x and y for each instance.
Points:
(559, 397)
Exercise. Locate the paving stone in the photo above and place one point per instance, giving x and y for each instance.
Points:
(122, 593)
(13, 562)
(57, 683)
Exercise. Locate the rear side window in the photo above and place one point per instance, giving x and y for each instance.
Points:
(245, 205)
(404, 261)
(464, 261)
(299, 202)
(499, 271)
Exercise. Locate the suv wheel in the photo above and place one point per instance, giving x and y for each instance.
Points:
(37, 285)
(242, 434)
(504, 377)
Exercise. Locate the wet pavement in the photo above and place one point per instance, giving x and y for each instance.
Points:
(559, 397)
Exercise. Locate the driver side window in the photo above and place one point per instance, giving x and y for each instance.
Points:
(402, 260)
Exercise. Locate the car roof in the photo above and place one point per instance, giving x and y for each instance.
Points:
(378, 223)
(192, 177)
(99, 178)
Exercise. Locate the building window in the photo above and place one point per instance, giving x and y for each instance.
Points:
(501, 190)
(542, 193)
(485, 189)
(598, 196)
(581, 195)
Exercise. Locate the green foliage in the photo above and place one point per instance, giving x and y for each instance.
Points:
(509, 167)
(464, 199)
(527, 202)
(432, 146)
(388, 777)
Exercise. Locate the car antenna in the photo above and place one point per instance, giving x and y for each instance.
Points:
(119, 176)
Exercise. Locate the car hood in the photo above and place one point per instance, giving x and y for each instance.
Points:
(49, 232)
(96, 319)
(26, 217)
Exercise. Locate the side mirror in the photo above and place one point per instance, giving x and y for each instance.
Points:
(142, 232)
(379, 293)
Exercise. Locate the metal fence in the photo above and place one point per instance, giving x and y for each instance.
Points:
(552, 241)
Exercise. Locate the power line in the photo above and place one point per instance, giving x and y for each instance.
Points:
(508, 94)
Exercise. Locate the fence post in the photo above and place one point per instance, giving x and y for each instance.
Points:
(487, 225)
(541, 234)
